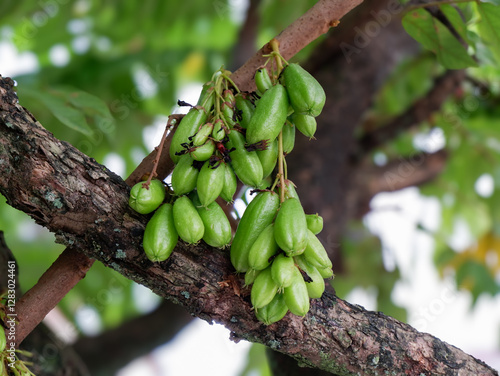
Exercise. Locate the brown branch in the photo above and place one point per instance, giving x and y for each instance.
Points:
(397, 174)
(69, 268)
(420, 111)
(86, 205)
(135, 338)
(314, 23)
(401, 173)
(246, 45)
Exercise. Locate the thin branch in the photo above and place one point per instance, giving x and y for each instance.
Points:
(420, 111)
(314, 23)
(68, 269)
(86, 205)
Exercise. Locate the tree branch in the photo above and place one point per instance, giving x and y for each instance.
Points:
(69, 268)
(397, 174)
(314, 23)
(86, 206)
(136, 337)
(400, 173)
(418, 112)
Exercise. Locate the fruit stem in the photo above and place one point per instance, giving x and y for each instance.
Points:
(158, 155)
(226, 76)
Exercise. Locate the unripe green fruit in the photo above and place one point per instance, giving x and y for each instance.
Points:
(290, 230)
(204, 152)
(288, 137)
(258, 215)
(250, 276)
(218, 132)
(306, 94)
(315, 283)
(3, 340)
(274, 311)
(217, 226)
(188, 222)
(230, 184)
(210, 182)
(290, 190)
(146, 199)
(160, 235)
(202, 135)
(262, 249)
(263, 290)
(268, 158)
(184, 176)
(269, 116)
(283, 270)
(245, 109)
(305, 124)
(315, 254)
(246, 164)
(314, 223)
(296, 295)
(191, 122)
(324, 272)
(262, 80)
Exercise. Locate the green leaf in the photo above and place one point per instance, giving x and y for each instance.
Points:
(256, 362)
(69, 116)
(435, 36)
(86, 101)
(410, 80)
(456, 20)
(475, 277)
(489, 26)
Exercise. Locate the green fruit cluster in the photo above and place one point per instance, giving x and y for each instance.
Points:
(184, 218)
(275, 244)
(276, 247)
(228, 136)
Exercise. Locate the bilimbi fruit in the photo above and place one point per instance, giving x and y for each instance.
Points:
(228, 137)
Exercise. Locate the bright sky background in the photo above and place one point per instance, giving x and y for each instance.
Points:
(433, 305)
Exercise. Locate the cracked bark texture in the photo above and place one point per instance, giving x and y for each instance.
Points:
(85, 205)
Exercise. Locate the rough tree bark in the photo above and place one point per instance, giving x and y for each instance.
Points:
(85, 205)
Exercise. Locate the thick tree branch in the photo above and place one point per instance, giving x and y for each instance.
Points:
(400, 173)
(135, 338)
(397, 174)
(86, 206)
(421, 110)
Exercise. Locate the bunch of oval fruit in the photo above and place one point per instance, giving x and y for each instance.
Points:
(229, 136)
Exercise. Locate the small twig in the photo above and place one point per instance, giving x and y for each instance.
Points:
(159, 149)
